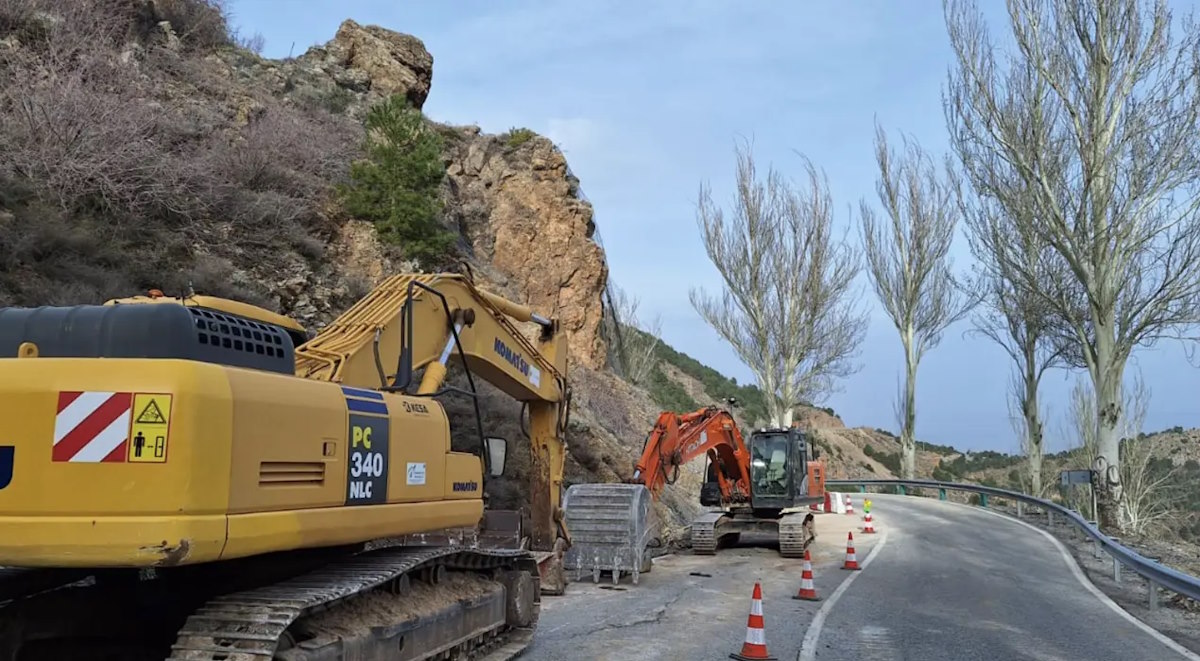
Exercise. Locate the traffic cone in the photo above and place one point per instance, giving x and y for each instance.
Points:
(808, 591)
(755, 647)
(868, 525)
(849, 505)
(851, 559)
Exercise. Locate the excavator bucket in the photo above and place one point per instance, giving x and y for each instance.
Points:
(611, 526)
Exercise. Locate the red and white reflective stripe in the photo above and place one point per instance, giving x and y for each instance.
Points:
(756, 636)
(756, 607)
(92, 427)
(806, 578)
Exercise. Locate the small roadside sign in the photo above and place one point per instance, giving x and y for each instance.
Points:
(1070, 477)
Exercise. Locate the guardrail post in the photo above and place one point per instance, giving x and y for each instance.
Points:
(1020, 509)
(902, 489)
(1116, 570)
(941, 494)
(1096, 548)
(983, 500)
(862, 488)
(1153, 594)
(1049, 518)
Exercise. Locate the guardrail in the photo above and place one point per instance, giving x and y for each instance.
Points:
(1156, 574)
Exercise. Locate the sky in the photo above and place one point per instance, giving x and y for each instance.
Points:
(648, 101)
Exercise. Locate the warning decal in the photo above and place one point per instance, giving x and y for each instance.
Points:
(152, 415)
(91, 427)
(149, 432)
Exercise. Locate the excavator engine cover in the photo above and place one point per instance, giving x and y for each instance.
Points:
(611, 526)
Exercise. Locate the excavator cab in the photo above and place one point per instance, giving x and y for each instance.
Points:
(779, 469)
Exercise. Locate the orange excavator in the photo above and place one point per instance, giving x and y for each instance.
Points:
(756, 486)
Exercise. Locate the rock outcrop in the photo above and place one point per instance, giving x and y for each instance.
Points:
(810, 417)
(377, 60)
(525, 230)
(517, 208)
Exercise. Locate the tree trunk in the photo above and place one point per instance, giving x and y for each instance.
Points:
(1106, 381)
(1035, 450)
(1033, 424)
(908, 446)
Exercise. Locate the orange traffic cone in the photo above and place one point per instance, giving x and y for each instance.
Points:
(868, 525)
(755, 647)
(808, 591)
(851, 558)
(849, 505)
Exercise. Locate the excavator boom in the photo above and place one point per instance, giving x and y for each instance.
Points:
(678, 439)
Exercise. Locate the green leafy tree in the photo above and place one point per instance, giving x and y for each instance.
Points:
(397, 187)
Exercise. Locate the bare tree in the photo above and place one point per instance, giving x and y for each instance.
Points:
(1027, 420)
(632, 342)
(788, 307)
(1092, 129)
(1020, 323)
(909, 265)
(1148, 503)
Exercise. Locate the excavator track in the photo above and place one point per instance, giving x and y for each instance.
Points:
(704, 534)
(253, 624)
(395, 603)
(791, 536)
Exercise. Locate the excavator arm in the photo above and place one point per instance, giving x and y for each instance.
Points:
(678, 439)
(414, 322)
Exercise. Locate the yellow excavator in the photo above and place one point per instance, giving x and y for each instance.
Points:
(194, 478)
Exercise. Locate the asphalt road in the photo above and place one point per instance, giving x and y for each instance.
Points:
(673, 615)
(958, 584)
(948, 583)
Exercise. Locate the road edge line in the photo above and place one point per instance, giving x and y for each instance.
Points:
(808, 646)
(1077, 571)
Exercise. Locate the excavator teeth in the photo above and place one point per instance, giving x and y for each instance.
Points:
(611, 526)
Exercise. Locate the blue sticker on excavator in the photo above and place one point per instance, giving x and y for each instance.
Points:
(364, 401)
(359, 392)
(7, 453)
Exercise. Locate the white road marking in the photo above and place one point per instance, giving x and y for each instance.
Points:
(808, 647)
(1083, 580)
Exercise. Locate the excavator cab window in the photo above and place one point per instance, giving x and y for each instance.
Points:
(496, 449)
(769, 464)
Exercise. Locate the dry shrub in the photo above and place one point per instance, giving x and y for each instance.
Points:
(199, 24)
(125, 168)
